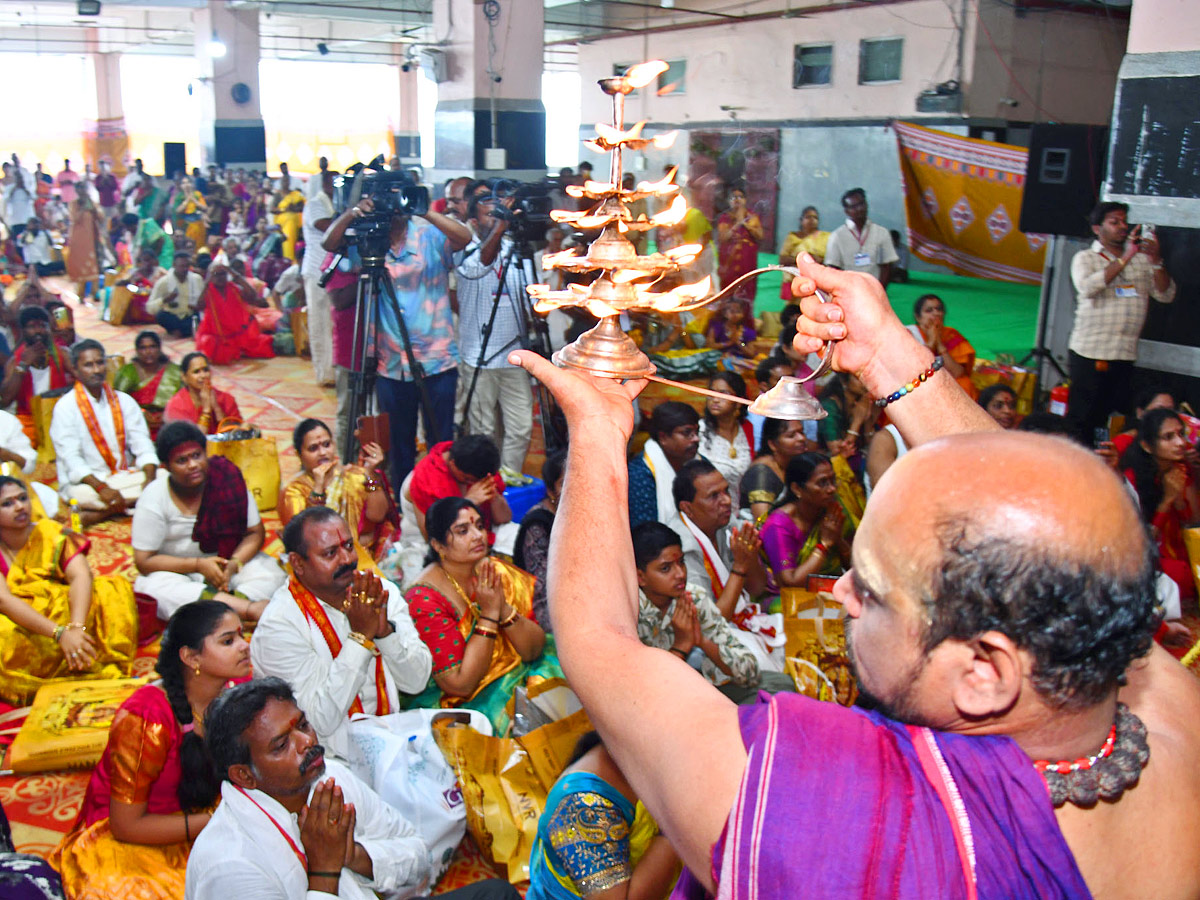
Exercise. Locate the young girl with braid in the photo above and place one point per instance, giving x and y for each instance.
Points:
(154, 788)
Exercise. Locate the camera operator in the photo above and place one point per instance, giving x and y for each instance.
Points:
(500, 387)
(419, 260)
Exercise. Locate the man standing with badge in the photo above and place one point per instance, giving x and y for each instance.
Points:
(1114, 280)
(859, 245)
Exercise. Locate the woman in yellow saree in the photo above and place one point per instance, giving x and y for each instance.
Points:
(475, 614)
(56, 620)
(190, 209)
(287, 211)
(360, 493)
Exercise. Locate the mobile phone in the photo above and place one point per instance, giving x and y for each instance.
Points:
(1100, 437)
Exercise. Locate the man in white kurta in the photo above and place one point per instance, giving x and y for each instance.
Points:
(289, 642)
(253, 846)
(101, 441)
(160, 526)
(15, 446)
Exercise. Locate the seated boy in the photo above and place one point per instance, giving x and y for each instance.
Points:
(682, 619)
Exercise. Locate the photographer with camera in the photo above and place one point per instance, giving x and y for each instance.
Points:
(418, 260)
(499, 387)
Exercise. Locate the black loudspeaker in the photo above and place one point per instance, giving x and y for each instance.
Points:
(1062, 178)
(174, 158)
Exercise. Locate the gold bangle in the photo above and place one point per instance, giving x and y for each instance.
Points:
(364, 641)
(510, 619)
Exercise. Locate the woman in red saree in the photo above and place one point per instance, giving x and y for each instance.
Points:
(738, 234)
(227, 330)
(150, 378)
(154, 789)
(140, 282)
(954, 349)
(1157, 467)
(198, 401)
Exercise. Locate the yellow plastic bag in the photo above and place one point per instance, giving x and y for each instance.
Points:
(505, 782)
(816, 657)
(258, 458)
(1191, 540)
(67, 726)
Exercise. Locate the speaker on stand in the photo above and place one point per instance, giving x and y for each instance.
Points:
(1063, 176)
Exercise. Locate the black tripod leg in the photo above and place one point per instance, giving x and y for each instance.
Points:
(414, 367)
(463, 428)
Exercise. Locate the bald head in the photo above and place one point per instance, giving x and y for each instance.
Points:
(1024, 534)
(1029, 489)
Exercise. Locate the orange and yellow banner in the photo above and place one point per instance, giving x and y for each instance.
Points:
(963, 199)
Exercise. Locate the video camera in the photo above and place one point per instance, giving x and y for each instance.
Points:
(529, 217)
(391, 193)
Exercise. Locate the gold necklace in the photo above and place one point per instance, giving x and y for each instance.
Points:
(458, 587)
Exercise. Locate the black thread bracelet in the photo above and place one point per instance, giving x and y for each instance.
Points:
(324, 874)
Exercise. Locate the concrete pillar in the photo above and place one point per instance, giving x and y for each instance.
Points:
(231, 125)
(108, 138)
(491, 97)
(407, 137)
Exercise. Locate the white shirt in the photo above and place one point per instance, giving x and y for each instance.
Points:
(865, 252)
(160, 526)
(290, 647)
(18, 202)
(40, 378)
(189, 294)
(78, 456)
(242, 853)
(12, 437)
(318, 207)
(36, 248)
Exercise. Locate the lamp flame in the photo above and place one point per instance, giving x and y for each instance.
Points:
(643, 73)
(672, 215)
(665, 140)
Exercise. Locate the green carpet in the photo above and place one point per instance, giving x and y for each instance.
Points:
(995, 316)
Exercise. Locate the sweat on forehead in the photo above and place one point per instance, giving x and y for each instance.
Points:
(1034, 490)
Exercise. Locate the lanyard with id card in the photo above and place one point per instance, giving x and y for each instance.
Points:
(1126, 291)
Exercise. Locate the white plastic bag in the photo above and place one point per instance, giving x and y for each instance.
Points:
(397, 755)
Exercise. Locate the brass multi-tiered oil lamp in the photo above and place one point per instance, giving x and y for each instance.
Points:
(627, 281)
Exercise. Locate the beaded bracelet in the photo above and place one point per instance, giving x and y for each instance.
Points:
(938, 362)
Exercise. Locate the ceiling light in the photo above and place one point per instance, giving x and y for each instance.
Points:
(216, 47)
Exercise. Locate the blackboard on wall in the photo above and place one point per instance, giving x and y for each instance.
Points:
(1154, 146)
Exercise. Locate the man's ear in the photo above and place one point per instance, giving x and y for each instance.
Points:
(297, 562)
(686, 508)
(243, 776)
(991, 674)
(641, 578)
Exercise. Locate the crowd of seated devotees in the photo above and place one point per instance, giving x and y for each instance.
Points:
(726, 511)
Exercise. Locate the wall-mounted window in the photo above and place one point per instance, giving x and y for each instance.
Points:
(812, 64)
(674, 80)
(879, 59)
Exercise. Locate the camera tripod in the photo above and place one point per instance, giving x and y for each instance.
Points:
(533, 334)
(374, 285)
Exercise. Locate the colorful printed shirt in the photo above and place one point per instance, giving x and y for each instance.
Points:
(419, 274)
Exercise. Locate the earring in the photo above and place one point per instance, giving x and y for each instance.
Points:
(197, 669)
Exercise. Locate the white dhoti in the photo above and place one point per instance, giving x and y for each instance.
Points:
(256, 580)
(128, 483)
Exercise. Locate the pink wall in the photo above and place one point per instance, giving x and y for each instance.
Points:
(1159, 25)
